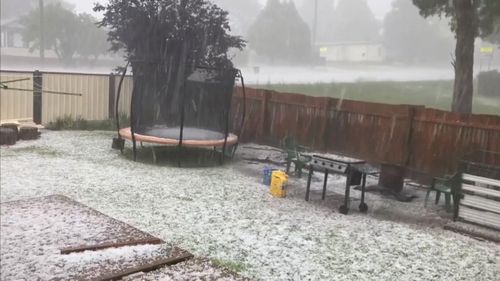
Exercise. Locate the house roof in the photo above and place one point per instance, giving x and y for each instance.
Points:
(10, 23)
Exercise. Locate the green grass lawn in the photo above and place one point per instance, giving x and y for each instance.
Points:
(433, 94)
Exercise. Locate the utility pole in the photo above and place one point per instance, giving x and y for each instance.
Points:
(42, 33)
(315, 23)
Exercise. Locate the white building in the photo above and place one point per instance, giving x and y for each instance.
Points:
(352, 52)
(10, 34)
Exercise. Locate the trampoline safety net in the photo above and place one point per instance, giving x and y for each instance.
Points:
(195, 109)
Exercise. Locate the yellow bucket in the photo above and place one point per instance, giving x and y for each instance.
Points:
(279, 180)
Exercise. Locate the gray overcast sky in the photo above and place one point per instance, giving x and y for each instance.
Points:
(379, 7)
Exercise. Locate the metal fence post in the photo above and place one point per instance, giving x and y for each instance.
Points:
(37, 96)
(111, 95)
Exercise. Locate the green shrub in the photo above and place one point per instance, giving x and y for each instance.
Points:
(67, 122)
(488, 84)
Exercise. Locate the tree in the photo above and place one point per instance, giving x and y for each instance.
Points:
(494, 37)
(266, 29)
(354, 21)
(93, 40)
(15, 8)
(147, 28)
(409, 37)
(241, 13)
(60, 31)
(469, 19)
(164, 40)
(298, 41)
(325, 19)
(65, 32)
(280, 35)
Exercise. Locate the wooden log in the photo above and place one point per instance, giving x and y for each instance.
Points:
(472, 233)
(28, 133)
(146, 267)
(12, 126)
(83, 248)
(7, 136)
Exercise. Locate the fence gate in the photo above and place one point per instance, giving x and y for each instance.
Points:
(480, 193)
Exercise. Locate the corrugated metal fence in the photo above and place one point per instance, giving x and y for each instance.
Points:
(93, 104)
(16, 104)
(126, 94)
(424, 140)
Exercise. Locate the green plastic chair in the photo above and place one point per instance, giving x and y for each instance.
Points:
(442, 185)
(294, 154)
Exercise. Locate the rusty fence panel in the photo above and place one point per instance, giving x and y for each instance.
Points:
(255, 99)
(296, 115)
(374, 132)
(424, 140)
(441, 139)
(16, 104)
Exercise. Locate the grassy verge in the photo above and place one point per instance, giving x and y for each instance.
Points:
(433, 94)
(229, 265)
(42, 151)
(69, 123)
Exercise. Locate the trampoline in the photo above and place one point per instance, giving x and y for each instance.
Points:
(196, 115)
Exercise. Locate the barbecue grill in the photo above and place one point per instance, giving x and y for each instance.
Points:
(354, 170)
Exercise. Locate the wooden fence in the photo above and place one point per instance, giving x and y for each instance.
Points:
(420, 139)
(439, 139)
(425, 141)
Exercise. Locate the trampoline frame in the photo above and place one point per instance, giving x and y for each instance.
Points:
(231, 139)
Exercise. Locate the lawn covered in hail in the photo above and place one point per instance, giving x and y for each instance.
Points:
(226, 214)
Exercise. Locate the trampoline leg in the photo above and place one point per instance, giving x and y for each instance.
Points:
(179, 156)
(154, 154)
(134, 148)
(221, 161)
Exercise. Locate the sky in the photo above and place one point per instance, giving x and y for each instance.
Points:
(379, 7)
